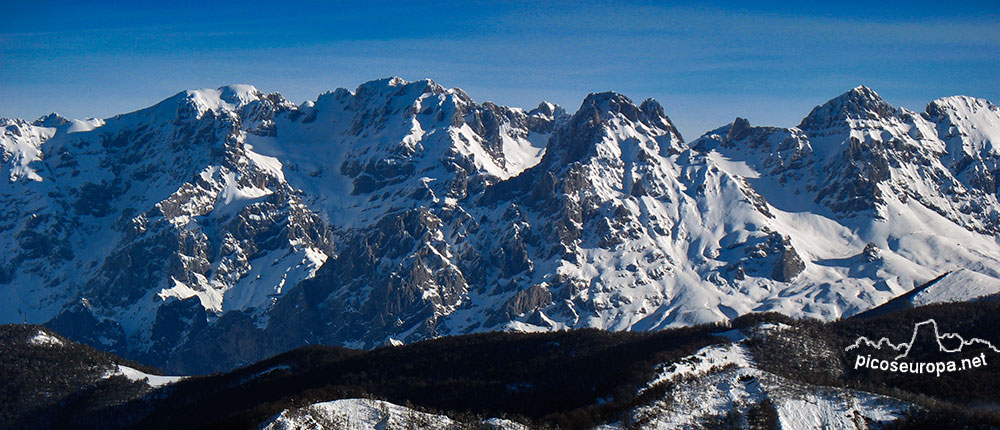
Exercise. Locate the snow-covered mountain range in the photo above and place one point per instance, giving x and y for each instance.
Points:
(221, 226)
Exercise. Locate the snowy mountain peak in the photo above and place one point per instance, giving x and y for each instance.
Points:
(863, 91)
(21, 146)
(861, 97)
(548, 109)
(652, 113)
(603, 106)
(228, 98)
(971, 126)
(228, 101)
(51, 120)
(614, 116)
(397, 87)
(607, 107)
(859, 104)
(960, 103)
(239, 94)
(738, 129)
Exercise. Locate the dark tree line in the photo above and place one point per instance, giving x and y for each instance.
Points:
(567, 379)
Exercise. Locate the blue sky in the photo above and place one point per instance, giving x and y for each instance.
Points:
(706, 62)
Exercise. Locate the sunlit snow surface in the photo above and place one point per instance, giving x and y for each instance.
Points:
(722, 379)
(365, 414)
(20, 146)
(959, 286)
(45, 339)
(154, 381)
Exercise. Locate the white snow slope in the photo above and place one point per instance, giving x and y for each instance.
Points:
(366, 414)
(722, 380)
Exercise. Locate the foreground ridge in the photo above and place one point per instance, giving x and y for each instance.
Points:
(759, 369)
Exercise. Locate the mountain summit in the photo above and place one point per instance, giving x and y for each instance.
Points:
(858, 104)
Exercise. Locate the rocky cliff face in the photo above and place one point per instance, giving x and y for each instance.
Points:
(220, 226)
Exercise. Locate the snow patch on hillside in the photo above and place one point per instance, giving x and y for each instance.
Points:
(959, 286)
(45, 339)
(358, 414)
(706, 360)
(721, 382)
(155, 381)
